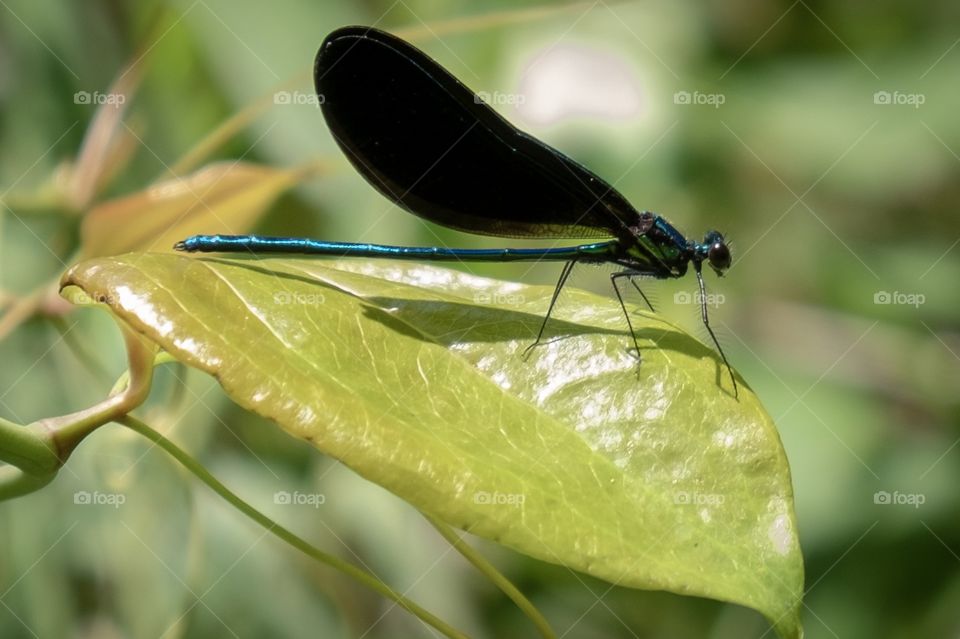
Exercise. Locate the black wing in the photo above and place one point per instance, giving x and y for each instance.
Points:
(429, 144)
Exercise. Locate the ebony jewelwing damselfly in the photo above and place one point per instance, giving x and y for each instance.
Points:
(433, 147)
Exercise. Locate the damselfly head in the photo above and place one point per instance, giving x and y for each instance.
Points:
(718, 253)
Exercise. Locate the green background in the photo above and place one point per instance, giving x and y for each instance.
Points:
(831, 200)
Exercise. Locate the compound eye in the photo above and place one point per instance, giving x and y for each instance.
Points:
(719, 256)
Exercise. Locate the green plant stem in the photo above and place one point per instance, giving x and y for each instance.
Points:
(14, 482)
(37, 451)
(160, 358)
(289, 537)
(27, 448)
(67, 431)
(494, 575)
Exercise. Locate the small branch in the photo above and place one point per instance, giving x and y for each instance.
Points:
(28, 449)
(37, 451)
(289, 537)
(67, 431)
(14, 482)
(494, 575)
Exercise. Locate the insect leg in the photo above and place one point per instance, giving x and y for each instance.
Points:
(564, 274)
(706, 322)
(616, 289)
(630, 279)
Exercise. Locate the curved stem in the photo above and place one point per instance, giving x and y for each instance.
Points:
(289, 537)
(37, 451)
(494, 575)
(67, 431)
(27, 449)
(161, 357)
(15, 482)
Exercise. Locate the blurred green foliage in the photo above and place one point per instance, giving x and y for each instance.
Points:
(837, 203)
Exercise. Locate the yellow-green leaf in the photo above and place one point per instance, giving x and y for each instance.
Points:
(413, 376)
